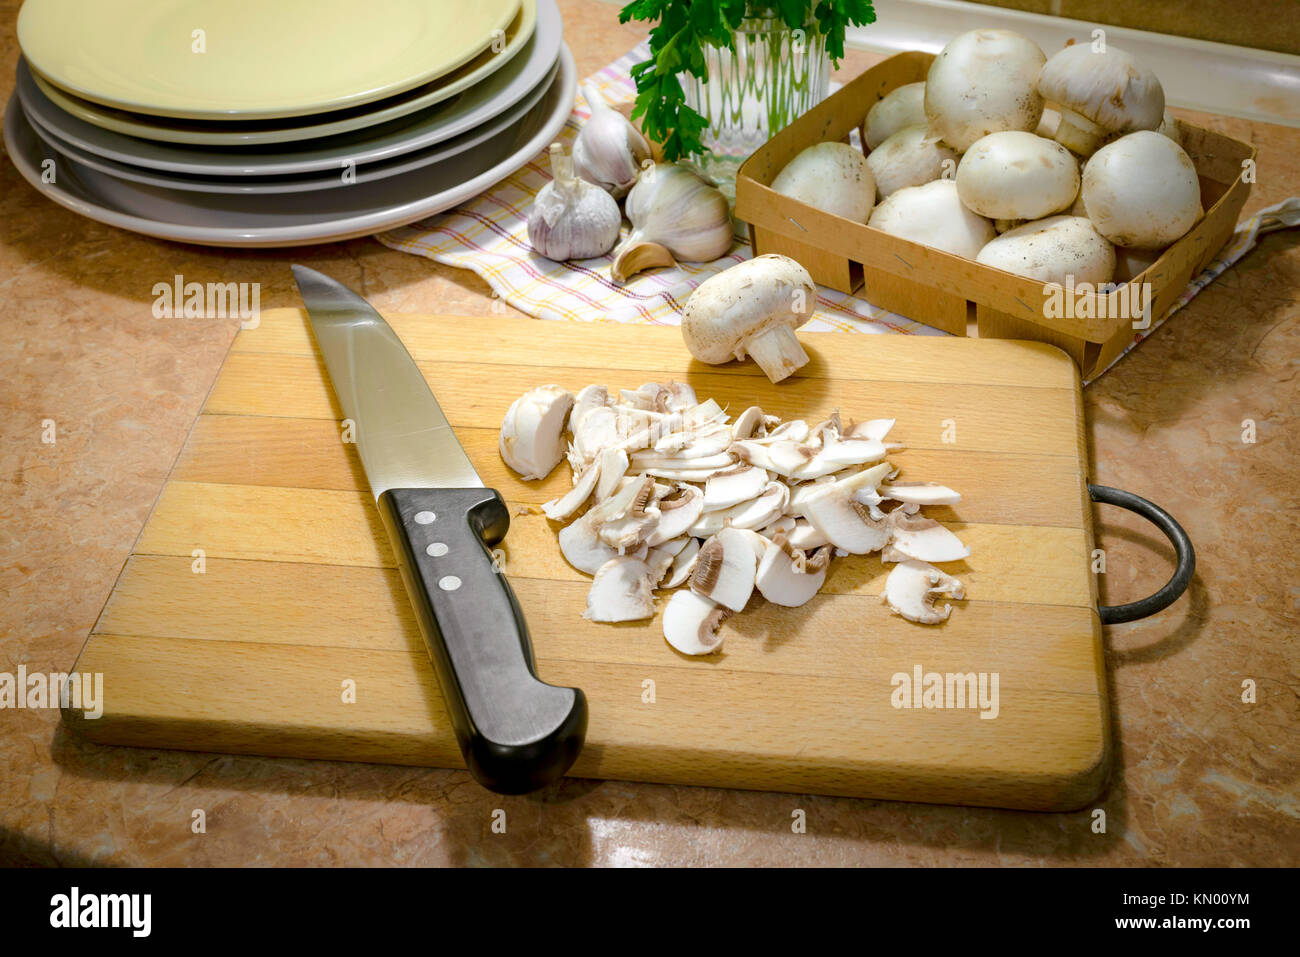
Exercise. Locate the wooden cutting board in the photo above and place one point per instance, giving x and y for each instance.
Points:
(262, 587)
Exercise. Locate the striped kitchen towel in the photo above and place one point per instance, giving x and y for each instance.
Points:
(489, 235)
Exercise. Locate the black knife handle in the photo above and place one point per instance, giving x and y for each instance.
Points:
(516, 732)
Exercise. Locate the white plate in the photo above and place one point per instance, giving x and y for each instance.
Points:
(235, 133)
(425, 128)
(303, 182)
(292, 219)
(252, 59)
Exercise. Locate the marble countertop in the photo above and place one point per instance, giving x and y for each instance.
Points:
(1201, 777)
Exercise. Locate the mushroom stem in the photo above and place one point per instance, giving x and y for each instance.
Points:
(633, 258)
(1078, 134)
(777, 351)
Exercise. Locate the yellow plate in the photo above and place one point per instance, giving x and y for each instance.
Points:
(233, 133)
(252, 59)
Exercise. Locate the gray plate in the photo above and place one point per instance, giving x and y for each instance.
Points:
(292, 219)
(305, 182)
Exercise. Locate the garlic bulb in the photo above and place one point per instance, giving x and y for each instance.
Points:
(675, 215)
(571, 218)
(609, 150)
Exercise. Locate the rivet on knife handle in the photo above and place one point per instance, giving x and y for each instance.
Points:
(516, 732)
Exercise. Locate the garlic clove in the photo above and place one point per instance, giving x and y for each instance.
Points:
(675, 215)
(609, 150)
(571, 218)
(638, 257)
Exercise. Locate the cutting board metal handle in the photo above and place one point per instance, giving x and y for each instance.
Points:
(1182, 577)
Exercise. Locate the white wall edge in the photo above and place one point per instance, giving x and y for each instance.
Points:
(1220, 78)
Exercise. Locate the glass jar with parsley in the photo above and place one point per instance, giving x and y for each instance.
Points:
(725, 75)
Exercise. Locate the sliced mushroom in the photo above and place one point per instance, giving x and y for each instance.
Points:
(871, 429)
(683, 564)
(801, 495)
(788, 576)
(724, 569)
(837, 454)
(678, 511)
(558, 509)
(613, 466)
(732, 486)
(532, 433)
(756, 541)
(708, 524)
(788, 457)
(659, 561)
(912, 588)
(691, 623)
(696, 441)
(920, 493)
(796, 430)
(923, 539)
(676, 396)
(753, 452)
(749, 423)
(681, 475)
(805, 535)
(767, 508)
(592, 397)
(632, 527)
(582, 547)
(594, 431)
(621, 591)
(616, 505)
(785, 524)
(844, 520)
(661, 460)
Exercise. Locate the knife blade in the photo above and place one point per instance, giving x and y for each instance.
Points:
(516, 732)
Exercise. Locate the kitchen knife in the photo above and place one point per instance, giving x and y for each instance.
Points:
(516, 732)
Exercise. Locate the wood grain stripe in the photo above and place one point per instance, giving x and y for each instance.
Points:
(1000, 488)
(989, 418)
(1036, 565)
(512, 341)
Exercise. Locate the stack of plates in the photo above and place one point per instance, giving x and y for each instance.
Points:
(255, 123)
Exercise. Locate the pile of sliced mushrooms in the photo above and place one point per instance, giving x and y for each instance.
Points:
(1047, 168)
(670, 493)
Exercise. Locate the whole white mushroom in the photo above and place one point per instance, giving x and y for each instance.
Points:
(982, 82)
(752, 309)
(1142, 190)
(1017, 175)
(1053, 249)
(934, 215)
(910, 157)
(899, 108)
(833, 177)
(1100, 92)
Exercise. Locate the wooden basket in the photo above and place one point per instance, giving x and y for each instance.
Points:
(952, 293)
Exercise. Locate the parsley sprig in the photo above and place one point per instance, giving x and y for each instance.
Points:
(684, 27)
